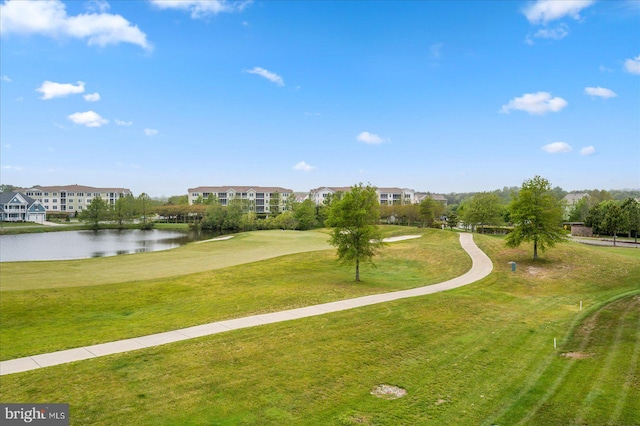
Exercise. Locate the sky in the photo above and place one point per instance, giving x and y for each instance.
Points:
(438, 96)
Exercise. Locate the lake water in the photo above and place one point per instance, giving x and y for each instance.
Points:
(67, 245)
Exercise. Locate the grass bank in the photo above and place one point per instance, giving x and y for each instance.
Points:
(480, 354)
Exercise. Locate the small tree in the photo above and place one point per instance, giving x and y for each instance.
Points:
(430, 209)
(354, 218)
(631, 209)
(536, 214)
(614, 219)
(305, 214)
(452, 219)
(95, 212)
(484, 209)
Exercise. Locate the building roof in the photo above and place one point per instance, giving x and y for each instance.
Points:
(75, 188)
(6, 197)
(437, 197)
(269, 189)
(574, 197)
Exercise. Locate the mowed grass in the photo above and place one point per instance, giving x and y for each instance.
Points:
(242, 248)
(46, 320)
(479, 355)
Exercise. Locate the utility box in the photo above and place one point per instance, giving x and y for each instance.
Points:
(513, 266)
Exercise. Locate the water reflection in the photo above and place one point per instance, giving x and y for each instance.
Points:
(85, 244)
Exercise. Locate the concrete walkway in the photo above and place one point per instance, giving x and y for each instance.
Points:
(480, 268)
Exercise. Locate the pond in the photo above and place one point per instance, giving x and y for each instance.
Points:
(67, 245)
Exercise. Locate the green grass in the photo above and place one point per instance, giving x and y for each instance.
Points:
(46, 320)
(478, 355)
(4, 225)
(242, 248)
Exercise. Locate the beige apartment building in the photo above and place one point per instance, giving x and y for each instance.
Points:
(260, 199)
(72, 198)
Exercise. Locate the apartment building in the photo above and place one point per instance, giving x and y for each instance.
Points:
(72, 198)
(386, 196)
(260, 199)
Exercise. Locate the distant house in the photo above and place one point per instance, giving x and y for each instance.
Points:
(572, 199)
(436, 197)
(17, 207)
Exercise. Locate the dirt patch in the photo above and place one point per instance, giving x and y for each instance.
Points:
(575, 355)
(388, 392)
(440, 401)
(532, 270)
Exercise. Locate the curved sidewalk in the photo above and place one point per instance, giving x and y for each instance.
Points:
(481, 267)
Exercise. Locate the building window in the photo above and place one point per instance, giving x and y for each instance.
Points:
(55, 207)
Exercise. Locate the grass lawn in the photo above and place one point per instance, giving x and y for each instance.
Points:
(480, 354)
(45, 320)
(242, 248)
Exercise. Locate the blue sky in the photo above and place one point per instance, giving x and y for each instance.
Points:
(440, 96)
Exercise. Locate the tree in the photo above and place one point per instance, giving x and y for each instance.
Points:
(452, 219)
(176, 200)
(123, 209)
(631, 209)
(274, 204)
(354, 218)
(305, 214)
(96, 211)
(536, 214)
(144, 208)
(580, 210)
(484, 209)
(430, 209)
(614, 219)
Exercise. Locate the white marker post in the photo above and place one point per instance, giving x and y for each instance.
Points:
(581, 305)
(554, 343)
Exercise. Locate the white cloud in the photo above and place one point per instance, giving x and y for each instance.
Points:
(202, 8)
(123, 123)
(600, 91)
(16, 168)
(50, 89)
(150, 132)
(274, 78)
(89, 119)
(49, 18)
(557, 33)
(588, 150)
(535, 103)
(557, 147)
(370, 138)
(92, 97)
(633, 65)
(98, 6)
(544, 11)
(6, 78)
(303, 166)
